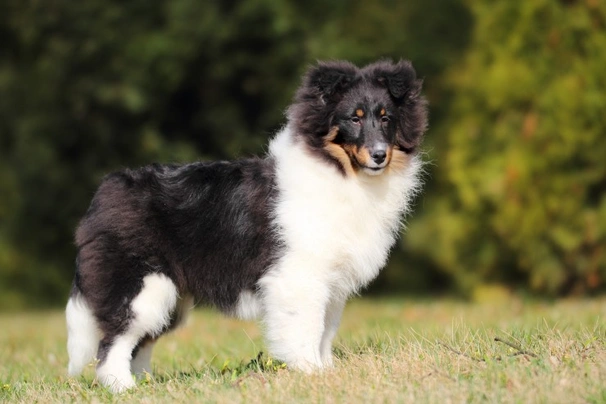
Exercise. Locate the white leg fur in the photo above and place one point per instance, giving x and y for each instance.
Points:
(295, 301)
(332, 319)
(152, 310)
(82, 334)
(114, 372)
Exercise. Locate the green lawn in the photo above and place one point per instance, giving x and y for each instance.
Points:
(388, 351)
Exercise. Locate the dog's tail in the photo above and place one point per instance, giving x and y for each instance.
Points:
(83, 334)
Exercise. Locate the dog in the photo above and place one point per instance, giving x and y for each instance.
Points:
(286, 238)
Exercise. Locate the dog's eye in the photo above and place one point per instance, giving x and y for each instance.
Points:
(384, 119)
(355, 120)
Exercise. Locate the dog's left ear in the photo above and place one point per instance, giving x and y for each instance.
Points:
(400, 79)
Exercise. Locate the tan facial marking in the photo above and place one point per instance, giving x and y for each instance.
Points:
(338, 152)
(359, 113)
(382, 112)
(352, 151)
(359, 155)
(363, 156)
(352, 158)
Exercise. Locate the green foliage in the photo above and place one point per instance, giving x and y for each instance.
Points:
(516, 194)
(524, 167)
(90, 87)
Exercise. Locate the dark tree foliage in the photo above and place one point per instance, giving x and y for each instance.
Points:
(516, 188)
(89, 87)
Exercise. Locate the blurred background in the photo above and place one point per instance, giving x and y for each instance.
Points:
(515, 197)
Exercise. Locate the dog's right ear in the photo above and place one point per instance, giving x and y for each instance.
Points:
(331, 79)
(322, 88)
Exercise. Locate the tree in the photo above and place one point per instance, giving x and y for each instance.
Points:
(524, 156)
(90, 87)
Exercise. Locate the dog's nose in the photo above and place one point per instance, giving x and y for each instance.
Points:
(378, 156)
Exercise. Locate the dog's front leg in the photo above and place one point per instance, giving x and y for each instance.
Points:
(332, 319)
(294, 308)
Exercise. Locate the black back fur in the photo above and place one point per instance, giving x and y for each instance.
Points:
(204, 225)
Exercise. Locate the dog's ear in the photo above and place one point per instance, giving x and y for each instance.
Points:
(322, 88)
(400, 79)
(331, 78)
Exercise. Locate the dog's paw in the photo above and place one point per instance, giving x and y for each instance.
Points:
(328, 361)
(116, 380)
(306, 366)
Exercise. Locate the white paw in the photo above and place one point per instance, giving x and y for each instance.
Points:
(328, 361)
(306, 366)
(116, 381)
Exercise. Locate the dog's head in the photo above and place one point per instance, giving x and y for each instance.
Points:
(362, 120)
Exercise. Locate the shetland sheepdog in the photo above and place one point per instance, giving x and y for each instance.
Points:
(286, 238)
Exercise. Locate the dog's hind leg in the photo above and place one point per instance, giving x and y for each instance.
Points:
(152, 310)
(83, 334)
(113, 370)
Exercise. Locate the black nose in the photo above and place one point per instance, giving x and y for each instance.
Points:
(378, 156)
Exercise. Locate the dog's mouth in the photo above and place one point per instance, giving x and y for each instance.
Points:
(366, 164)
(374, 170)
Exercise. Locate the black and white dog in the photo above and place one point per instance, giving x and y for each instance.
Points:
(287, 238)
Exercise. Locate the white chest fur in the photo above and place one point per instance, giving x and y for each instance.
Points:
(339, 228)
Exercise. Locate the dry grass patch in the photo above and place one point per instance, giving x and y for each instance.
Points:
(387, 351)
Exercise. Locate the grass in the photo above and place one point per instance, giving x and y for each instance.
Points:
(387, 351)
